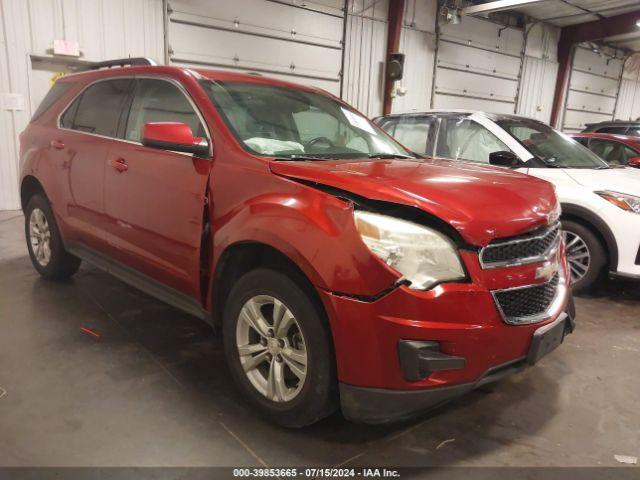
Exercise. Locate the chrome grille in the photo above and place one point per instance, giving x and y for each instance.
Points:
(529, 248)
(528, 304)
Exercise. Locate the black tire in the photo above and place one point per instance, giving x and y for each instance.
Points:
(597, 253)
(61, 265)
(317, 397)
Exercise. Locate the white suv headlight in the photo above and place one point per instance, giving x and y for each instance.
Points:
(630, 203)
(421, 255)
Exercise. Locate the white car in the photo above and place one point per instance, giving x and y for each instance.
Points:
(600, 204)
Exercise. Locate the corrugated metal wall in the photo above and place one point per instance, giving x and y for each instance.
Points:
(365, 50)
(366, 43)
(417, 42)
(539, 70)
(628, 105)
(104, 28)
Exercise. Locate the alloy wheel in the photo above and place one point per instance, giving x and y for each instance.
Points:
(40, 237)
(578, 255)
(272, 348)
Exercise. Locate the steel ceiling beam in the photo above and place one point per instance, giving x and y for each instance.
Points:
(497, 6)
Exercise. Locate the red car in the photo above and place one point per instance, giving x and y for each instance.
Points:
(616, 150)
(342, 270)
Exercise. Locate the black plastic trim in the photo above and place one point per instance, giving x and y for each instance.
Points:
(419, 359)
(198, 149)
(625, 276)
(122, 62)
(549, 337)
(380, 406)
(140, 281)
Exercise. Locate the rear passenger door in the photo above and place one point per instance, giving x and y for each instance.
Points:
(155, 199)
(88, 129)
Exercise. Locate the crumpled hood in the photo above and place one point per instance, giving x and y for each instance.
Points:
(622, 180)
(482, 203)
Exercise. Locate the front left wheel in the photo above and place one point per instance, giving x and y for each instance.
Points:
(278, 348)
(44, 242)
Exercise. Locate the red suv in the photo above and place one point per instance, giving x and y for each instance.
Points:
(342, 270)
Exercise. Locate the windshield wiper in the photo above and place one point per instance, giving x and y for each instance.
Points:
(302, 158)
(388, 155)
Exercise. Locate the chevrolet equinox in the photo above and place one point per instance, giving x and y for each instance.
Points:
(342, 270)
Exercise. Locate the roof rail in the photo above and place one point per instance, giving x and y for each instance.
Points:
(121, 62)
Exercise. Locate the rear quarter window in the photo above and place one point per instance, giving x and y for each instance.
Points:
(52, 96)
(98, 109)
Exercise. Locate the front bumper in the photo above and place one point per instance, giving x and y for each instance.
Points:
(461, 319)
(378, 406)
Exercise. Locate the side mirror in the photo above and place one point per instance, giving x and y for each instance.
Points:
(173, 136)
(634, 162)
(505, 159)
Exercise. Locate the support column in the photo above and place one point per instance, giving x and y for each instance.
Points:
(394, 29)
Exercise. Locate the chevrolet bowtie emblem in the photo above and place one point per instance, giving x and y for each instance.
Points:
(547, 270)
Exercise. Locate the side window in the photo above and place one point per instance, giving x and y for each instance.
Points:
(633, 132)
(412, 132)
(99, 108)
(614, 153)
(67, 118)
(464, 139)
(160, 101)
(602, 148)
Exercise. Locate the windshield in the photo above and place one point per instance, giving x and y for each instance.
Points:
(552, 147)
(286, 122)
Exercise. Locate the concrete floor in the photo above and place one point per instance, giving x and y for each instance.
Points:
(154, 389)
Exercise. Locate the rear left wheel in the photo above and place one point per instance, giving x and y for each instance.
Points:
(44, 242)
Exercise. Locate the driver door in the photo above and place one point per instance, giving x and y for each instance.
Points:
(155, 199)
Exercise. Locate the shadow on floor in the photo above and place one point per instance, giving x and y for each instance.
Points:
(187, 351)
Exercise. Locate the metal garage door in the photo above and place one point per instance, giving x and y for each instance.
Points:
(594, 82)
(478, 64)
(298, 43)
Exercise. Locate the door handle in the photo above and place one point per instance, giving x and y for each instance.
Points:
(57, 144)
(120, 165)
